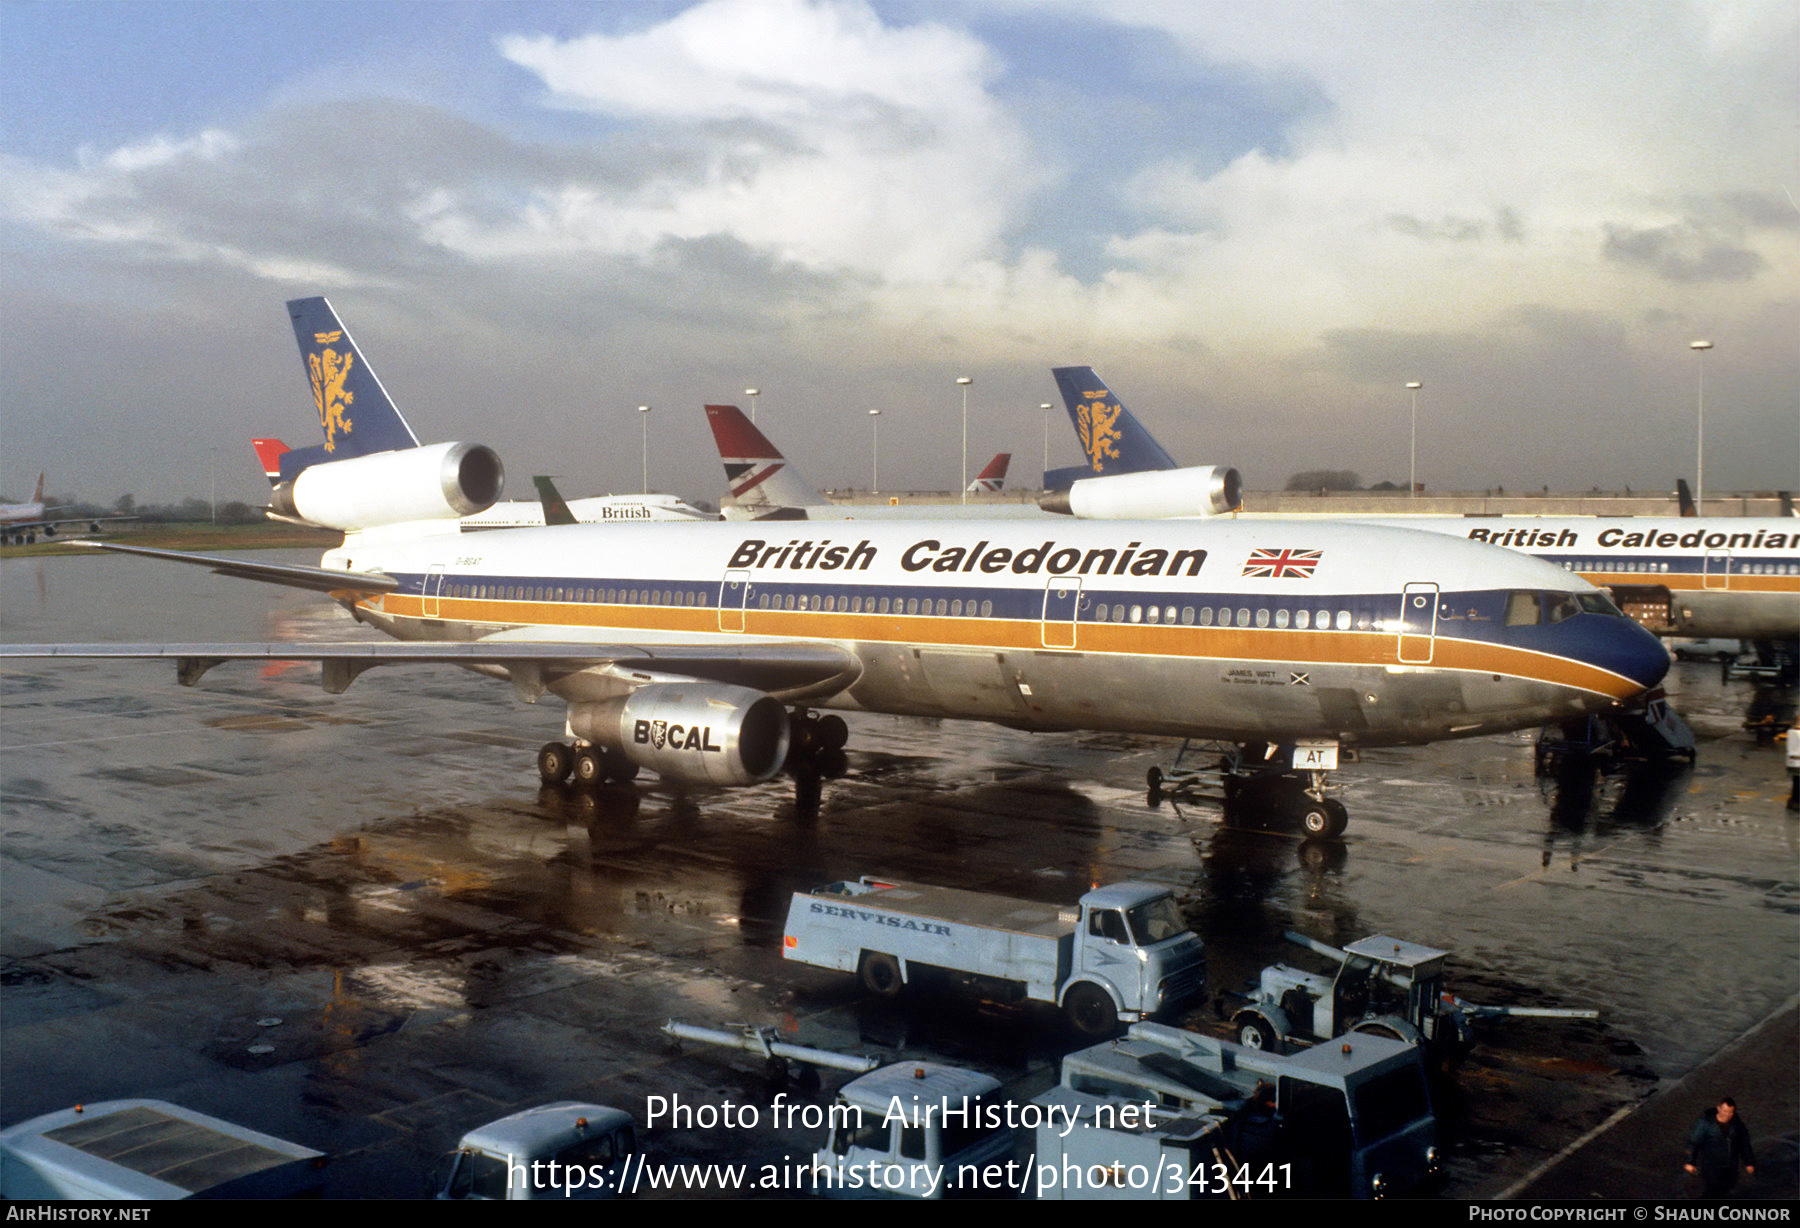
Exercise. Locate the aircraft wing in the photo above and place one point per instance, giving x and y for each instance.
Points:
(788, 670)
(318, 579)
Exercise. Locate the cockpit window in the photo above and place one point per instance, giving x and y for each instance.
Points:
(1523, 610)
(1598, 603)
(1561, 606)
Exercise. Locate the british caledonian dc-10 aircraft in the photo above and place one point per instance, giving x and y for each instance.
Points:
(700, 651)
(1728, 577)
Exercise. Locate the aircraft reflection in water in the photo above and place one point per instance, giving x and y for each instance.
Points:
(701, 650)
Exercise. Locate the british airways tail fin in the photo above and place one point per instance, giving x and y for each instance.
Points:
(992, 478)
(556, 508)
(756, 473)
(1114, 441)
(355, 412)
(268, 454)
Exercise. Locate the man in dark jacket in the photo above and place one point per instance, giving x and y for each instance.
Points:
(1717, 1144)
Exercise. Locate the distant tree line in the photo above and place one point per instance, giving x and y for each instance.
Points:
(235, 511)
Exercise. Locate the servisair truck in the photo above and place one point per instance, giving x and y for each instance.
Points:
(1120, 952)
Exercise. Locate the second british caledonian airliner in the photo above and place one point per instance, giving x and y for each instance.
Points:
(700, 651)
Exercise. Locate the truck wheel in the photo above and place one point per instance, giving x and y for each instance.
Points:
(1390, 1027)
(881, 975)
(1091, 1012)
(1255, 1032)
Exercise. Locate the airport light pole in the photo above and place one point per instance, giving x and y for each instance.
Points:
(1700, 348)
(875, 451)
(752, 394)
(1412, 447)
(644, 422)
(965, 381)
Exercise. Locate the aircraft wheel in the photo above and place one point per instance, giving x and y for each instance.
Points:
(1090, 1011)
(554, 761)
(590, 767)
(1324, 819)
(881, 975)
(831, 733)
(1255, 1032)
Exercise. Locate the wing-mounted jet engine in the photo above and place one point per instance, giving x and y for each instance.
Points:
(695, 732)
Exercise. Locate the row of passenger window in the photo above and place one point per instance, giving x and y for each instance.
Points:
(590, 596)
(1243, 616)
(950, 607)
(1740, 568)
(945, 607)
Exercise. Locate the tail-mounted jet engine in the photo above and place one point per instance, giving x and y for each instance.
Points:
(1203, 490)
(435, 482)
(705, 733)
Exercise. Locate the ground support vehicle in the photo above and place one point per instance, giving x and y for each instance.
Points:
(564, 1150)
(150, 1149)
(1121, 952)
(783, 1059)
(1100, 1148)
(917, 1130)
(1352, 1118)
(1257, 780)
(1384, 986)
(1653, 732)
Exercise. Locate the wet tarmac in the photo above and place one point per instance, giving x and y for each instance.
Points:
(356, 921)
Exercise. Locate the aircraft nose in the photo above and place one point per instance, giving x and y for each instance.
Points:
(1635, 653)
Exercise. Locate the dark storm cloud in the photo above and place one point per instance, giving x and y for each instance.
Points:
(1684, 252)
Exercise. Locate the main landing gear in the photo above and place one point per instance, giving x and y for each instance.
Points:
(587, 763)
(1256, 781)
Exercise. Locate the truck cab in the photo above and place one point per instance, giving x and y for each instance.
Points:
(1131, 939)
(589, 1144)
(910, 1131)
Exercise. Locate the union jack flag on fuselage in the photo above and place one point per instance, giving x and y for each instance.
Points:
(1282, 564)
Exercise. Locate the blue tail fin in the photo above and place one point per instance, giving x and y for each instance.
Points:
(355, 412)
(1112, 438)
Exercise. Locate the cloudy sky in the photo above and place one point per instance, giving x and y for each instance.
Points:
(1257, 220)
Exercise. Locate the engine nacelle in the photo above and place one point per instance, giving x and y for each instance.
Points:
(1204, 490)
(703, 732)
(435, 482)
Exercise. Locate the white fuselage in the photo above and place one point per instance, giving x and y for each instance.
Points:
(1235, 631)
(1734, 577)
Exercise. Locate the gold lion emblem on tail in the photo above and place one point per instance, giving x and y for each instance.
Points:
(1096, 422)
(329, 370)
